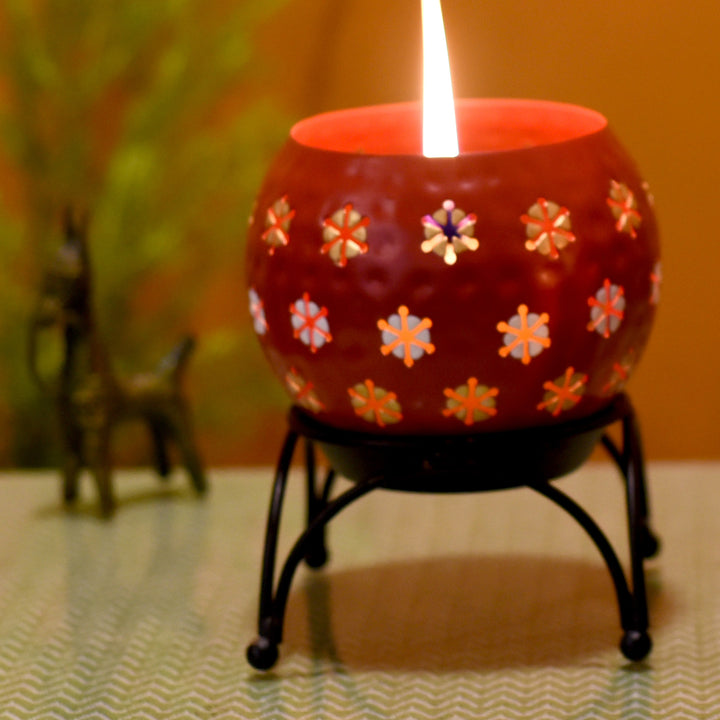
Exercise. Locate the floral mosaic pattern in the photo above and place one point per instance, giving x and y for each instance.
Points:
(406, 336)
(564, 392)
(624, 208)
(309, 322)
(449, 231)
(525, 336)
(547, 226)
(277, 224)
(607, 309)
(375, 404)
(471, 402)
(345, 235)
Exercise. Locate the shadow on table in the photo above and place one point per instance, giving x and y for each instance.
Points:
(457, 613)
(87, 506)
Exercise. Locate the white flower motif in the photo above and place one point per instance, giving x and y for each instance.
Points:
(525, 335)
(406, 336)
(607, 309)
(310, 324)
(257, 311)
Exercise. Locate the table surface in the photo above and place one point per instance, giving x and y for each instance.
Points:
(490, 605)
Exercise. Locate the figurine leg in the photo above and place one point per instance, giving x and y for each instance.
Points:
(71, 462)
(158, 436)
(97, 456)
(185, 437)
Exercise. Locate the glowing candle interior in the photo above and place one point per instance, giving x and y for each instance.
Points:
(439, 127)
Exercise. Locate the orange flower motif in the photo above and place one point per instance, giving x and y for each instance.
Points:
(620, 374)
(547, 226)
(303, 392)
(470, 402)
(277, 224)
(564, 392)
(623, 205)
(375, 404)
(406, 336)
(344, 235)
(656, 283)
(525, 335)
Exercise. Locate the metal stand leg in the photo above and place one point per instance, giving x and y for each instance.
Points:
(263, 652)
(636, 642)
(316, 555)
(630, 460)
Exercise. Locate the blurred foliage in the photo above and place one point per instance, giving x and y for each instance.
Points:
(152, 116)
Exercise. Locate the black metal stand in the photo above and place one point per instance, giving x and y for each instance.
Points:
(454, 464)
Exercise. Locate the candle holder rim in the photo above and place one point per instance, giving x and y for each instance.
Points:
(310, 133)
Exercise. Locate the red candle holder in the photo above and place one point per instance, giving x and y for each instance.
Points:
(511, 286)
(454, 324)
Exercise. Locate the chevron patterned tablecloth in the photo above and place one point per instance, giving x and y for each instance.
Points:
(493, 605)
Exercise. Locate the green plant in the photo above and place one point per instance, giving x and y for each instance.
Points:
(152, 117)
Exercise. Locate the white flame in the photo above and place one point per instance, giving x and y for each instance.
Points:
(439, 126)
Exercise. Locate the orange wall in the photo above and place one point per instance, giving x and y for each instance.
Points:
(651, 66)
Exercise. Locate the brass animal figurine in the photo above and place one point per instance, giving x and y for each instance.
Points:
(91, 399)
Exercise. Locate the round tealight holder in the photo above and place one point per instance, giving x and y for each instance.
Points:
(408, 303)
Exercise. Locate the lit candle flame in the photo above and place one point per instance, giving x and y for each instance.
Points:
(439, 127)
